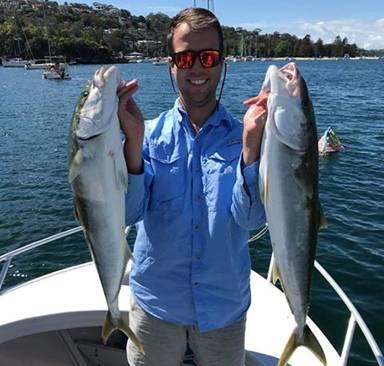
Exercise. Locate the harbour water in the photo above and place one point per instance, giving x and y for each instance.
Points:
(36, 199)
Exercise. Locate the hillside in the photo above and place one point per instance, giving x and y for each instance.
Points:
(102, 33)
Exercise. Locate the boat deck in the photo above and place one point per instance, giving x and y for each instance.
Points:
(55, 319)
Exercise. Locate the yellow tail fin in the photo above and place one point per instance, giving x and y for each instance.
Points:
(310, 342)
(109, 327)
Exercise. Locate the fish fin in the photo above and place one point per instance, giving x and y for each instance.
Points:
(275, 274)
(323, 222)
(74, 169)
(288, 349)
(108, 327)
(310, 342)
(126, 329)
(76, 213)
(264, 193)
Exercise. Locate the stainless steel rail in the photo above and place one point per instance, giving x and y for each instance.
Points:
(7, 257)
(354, 319)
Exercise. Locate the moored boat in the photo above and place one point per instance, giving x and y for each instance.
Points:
(16, 62)
(57, 71)
(39, 65)
(160, 61)
(56, 320)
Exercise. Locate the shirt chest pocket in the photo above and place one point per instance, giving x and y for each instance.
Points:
(169, 181)
(220, 177)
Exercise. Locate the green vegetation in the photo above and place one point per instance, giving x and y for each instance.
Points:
(102, 34)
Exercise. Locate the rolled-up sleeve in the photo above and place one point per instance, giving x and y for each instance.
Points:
(247, 208)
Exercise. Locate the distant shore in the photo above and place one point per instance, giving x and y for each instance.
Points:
(227, 58)
(251, 58)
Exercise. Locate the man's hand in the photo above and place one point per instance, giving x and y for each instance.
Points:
(254, 122)
(132, 124)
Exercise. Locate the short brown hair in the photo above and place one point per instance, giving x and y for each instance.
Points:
(197, 19)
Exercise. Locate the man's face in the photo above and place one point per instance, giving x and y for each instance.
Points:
(197, 85)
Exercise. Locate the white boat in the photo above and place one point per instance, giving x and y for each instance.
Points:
(161, 61)
(16, 62)
(56, 320)
(58, 71)
(39, 65)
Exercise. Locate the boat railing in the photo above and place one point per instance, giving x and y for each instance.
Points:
(354, 316)
(8, 257)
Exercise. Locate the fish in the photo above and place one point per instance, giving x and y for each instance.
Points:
(288, 183)
(98, 176)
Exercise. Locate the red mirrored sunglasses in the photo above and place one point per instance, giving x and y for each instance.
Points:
(186, 59)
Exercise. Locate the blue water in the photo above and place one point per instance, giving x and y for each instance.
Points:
(36, 199)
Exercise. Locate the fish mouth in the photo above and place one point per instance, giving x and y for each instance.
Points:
(82, 138)
(290, 71)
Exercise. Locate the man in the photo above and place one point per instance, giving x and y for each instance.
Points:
(193, 194)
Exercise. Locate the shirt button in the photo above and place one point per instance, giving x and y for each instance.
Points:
(195, 284)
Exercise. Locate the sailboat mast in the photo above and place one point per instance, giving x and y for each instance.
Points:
(210, 5)
(47, 35)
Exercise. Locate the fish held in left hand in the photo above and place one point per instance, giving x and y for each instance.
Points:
(99, 179)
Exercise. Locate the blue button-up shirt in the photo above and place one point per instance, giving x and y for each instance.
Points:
(193, 207)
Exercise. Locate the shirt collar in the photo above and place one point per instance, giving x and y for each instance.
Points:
(218, 116)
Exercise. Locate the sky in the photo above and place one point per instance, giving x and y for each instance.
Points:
(360, 21)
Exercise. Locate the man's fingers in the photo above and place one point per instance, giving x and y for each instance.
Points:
(262, 102)
(127, 88)
(260, 99)
(251, 101)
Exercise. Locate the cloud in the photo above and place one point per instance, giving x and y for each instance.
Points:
(367, 35)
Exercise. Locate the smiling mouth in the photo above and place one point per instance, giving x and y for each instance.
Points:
(198, 82)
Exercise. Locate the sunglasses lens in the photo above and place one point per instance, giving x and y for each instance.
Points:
(210, 58)
(184, 60)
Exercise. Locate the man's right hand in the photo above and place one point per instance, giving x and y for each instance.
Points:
(132, 124)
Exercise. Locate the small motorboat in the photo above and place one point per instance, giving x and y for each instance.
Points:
(58, 71)
(329, 143)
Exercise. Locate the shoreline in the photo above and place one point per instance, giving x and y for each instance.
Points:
(235, 59)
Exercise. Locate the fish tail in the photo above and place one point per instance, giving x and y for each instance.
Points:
(126, 329)
(310, 341)
(110, 326)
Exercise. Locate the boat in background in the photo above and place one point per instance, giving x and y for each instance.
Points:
(329, 143)
(39, 64)
(160, 61)
(16, 62)
(56, 319)
(57, 71)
